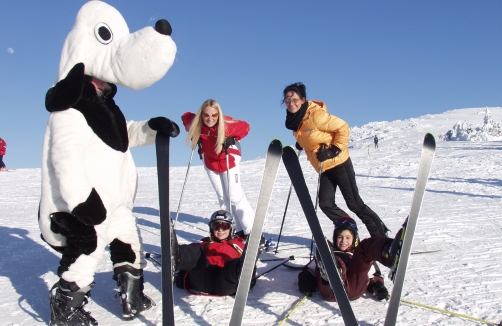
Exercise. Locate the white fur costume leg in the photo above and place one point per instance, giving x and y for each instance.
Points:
(120, 225)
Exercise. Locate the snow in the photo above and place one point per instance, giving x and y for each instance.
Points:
(460, 217)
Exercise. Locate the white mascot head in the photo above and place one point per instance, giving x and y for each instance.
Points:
(101, 40)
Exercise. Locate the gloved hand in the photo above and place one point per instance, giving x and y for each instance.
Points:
(306, 282)
(229, 141)
(67, 92)
(77, 234)
(199, 149)
(379, 291)
(164, 126)
(324, 153)
(92, 211)
(298, 147)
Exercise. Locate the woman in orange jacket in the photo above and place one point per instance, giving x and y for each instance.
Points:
(324, 137)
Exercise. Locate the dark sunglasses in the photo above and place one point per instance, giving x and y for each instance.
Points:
(220, 225)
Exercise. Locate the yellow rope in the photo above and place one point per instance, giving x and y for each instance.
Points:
(449, 312)
(293, 310)
(410, 303)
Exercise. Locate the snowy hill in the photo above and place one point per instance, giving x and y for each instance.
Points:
(460, 220)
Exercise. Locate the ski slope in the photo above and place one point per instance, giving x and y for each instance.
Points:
(460, 217)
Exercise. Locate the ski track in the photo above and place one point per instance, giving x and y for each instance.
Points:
(460, 217)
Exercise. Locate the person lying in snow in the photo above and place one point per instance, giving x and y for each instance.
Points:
(353, 260)
(214, 265)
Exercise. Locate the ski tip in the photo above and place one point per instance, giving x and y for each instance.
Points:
(275, 147)
(276, 142)
(429, 141)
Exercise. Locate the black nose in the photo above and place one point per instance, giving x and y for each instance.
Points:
(163, 27)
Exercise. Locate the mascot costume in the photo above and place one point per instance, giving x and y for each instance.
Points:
(88, 175)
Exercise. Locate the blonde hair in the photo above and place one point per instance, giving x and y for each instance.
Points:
(195, 128)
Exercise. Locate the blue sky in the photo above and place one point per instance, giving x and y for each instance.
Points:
(367, 60)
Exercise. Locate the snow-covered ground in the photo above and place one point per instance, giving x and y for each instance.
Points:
(460, 218)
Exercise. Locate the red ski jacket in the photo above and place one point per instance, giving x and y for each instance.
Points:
(3, 146)
(233, 128)
(219, 252)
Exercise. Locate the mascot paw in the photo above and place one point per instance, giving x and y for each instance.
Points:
(67, 92)
(92, 211)
(164, 126)
(70, 227)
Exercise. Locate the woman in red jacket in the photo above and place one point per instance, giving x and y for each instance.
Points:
(214, 265)
(3, 148)
(353, 260)
(217, 135)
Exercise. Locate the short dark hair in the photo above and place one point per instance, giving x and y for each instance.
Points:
(298, 88)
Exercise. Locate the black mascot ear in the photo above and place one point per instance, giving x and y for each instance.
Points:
(67, 92)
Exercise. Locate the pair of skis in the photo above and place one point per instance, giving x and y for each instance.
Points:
(251, 253)
(296, 175)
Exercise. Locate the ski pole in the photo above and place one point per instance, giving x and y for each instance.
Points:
(228, 183)
(184, 184)
(277, 259)
(285, 260)
(155, 261)
(293, 310)
(323, 146)
(285, 210)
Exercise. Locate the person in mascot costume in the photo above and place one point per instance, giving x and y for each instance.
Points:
(88, 175)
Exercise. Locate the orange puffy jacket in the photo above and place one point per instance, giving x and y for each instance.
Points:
(319, 127)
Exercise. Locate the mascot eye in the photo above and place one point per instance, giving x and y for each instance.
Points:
(103, 33)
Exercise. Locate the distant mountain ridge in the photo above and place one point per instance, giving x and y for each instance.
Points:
(471, 124)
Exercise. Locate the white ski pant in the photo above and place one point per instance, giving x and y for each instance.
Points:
(241, 209)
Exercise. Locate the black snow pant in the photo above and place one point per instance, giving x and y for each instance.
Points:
(344, 177)
(2, 164)
(204, 277)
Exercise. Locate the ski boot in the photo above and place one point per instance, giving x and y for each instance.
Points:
(132, 299)
(391, 252)
(378, 291)
(67, 305)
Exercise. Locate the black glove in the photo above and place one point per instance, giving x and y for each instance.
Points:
(164, 126)
(199, 150)
(324, 153)
(92, 211)
(306, 282)
(379, 291)
(67, 92)
(298, 147)
(78, 235)
(228, 142)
